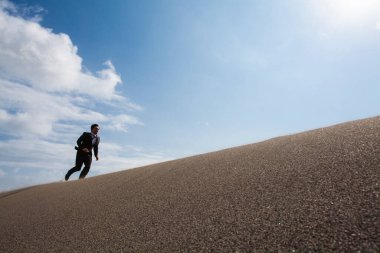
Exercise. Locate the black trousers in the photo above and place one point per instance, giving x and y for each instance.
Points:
(81, 158)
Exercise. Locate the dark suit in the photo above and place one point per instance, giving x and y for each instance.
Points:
(86, 140)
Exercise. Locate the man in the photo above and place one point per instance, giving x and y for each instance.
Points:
(86, 142)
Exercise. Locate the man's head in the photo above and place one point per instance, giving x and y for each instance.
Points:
(95, 128)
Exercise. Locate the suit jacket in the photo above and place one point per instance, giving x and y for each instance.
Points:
(85, 141)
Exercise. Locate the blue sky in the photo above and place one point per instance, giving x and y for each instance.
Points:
(170, 79)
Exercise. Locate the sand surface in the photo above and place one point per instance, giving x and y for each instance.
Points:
(313, 191)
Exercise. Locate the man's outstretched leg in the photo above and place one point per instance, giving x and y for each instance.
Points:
(78, 165)
(71, 171)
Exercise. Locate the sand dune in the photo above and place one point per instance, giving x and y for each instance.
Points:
(313, 191)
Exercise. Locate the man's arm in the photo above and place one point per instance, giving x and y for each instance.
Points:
(96, 148)
(80, 140)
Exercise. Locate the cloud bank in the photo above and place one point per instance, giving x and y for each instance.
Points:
(40, 69)
(47, 96)
(48, 62)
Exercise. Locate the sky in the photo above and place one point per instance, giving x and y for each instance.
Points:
(167, 79)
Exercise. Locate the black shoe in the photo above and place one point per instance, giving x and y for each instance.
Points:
(67, 177)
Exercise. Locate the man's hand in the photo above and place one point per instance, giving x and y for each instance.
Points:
(85, 150)
(97, 158)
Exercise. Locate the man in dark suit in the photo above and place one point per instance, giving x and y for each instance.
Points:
(86, 142)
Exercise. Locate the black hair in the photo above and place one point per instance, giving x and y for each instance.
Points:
(94, 125)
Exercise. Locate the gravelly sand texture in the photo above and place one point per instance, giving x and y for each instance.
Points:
(315, 191)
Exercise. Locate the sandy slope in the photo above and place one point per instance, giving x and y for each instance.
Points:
(313, 191)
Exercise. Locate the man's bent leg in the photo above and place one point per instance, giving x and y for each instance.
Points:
(87, 166)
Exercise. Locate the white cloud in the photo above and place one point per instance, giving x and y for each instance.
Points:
(26, 111)
(35, 153)
(120, 122)
(378, 25)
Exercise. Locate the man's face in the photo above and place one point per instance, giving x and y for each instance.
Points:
(95, 130)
